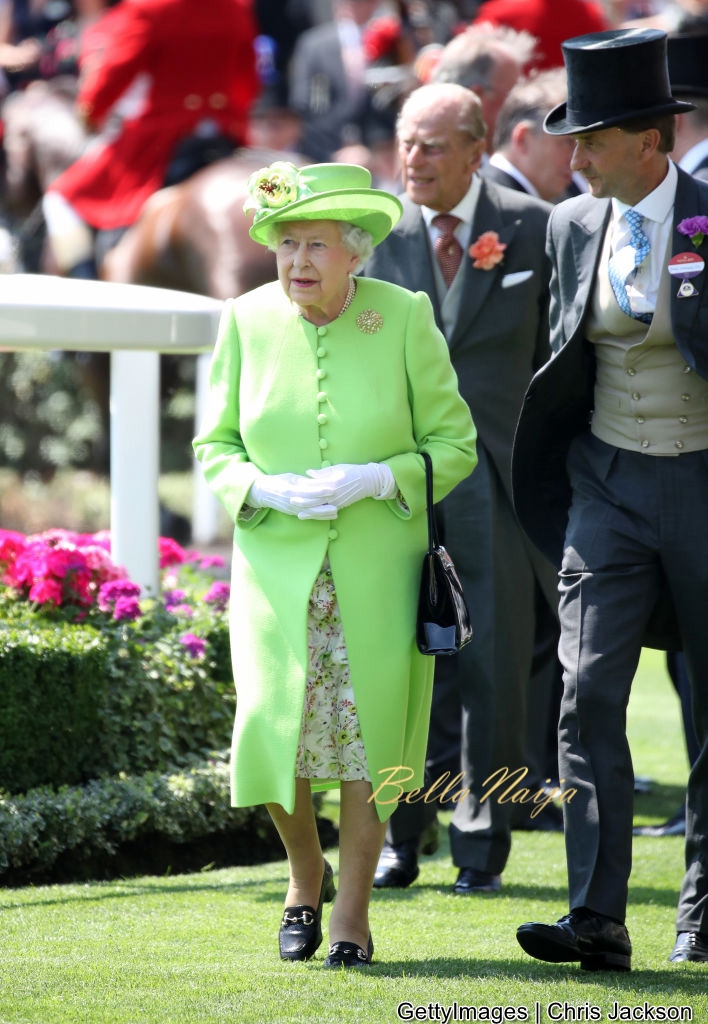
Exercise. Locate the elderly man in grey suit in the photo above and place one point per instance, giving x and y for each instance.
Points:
(611, 473)
(478, 251)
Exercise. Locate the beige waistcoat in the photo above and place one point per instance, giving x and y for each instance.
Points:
(647, 398)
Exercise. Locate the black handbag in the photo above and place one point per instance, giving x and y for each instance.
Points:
(443, 624)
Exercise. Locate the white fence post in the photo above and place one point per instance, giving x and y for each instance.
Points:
(134, 323)
(135, 465)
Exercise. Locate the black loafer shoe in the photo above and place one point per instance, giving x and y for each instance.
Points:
(300, 934)
(348, 954)
(471, 881)
(397, 866)
(675, 826)
(598, 942)
(691, 947)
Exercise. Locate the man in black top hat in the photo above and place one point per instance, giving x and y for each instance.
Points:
(610, 472)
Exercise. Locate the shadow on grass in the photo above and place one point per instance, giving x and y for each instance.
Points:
(651, 984)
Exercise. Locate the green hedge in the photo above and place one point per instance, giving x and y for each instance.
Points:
(157, 823)
(54, 686)
(80, 703)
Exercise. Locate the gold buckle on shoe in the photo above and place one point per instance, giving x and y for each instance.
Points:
(305, 917)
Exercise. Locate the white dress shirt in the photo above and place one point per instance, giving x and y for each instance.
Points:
(657, 209)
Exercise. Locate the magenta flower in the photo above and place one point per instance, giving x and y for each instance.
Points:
(696, 228)
(171, 553)
(46, 591)
(183, 609)
(109, 593)
(11, 545)
(126, 608)
(212, 562)
(196, 647)
(173, 598)
(218, 595)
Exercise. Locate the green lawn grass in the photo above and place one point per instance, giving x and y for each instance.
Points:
(202, 948)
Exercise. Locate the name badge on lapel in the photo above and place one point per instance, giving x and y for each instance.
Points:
(686, 265)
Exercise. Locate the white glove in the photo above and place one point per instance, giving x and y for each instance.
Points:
(347, 484)
(279, 491)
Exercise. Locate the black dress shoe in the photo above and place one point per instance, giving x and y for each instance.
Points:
(690, 947)
(597, 941)
(675, 826)
(471, 881)
(300, 934)
(397, 866)
(348, 954)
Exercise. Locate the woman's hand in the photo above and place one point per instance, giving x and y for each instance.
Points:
(346, 484)
(282, 491)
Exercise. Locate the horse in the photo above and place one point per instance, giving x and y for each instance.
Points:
(194, 237)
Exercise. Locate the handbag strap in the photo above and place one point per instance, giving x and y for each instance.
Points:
(432, 525)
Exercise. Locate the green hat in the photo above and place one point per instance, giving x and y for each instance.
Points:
(284, 192)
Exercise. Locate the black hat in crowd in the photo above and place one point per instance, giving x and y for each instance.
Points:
(613, 77)
(688, 64)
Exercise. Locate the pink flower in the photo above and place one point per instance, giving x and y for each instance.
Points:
(487, 251)
(111, 592)
(11, 545)
(126, 608)
(183, 609)
(46, 591)
(696, 228)
(171, 553)
(196, 647)
(218, 595)
(212, 562)
(173, 598)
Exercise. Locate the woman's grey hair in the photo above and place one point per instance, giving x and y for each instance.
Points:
(355, 240)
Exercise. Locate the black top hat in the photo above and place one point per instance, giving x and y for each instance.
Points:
(613, 77)
(688, 64)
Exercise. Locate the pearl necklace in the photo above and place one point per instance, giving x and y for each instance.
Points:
(348, 301)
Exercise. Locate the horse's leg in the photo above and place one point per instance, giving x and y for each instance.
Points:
(146, 252)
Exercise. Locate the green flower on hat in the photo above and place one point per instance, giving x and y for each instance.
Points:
(273, 187)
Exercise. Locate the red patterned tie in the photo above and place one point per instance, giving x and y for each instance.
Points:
(447, 249)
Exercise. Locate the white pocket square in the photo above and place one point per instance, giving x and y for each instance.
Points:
(509, 280)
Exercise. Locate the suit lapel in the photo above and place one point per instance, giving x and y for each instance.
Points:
(476, 284)
(419, 274)
(587, 234)
(684, 312)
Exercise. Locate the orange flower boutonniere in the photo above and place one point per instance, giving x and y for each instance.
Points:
(487, 251)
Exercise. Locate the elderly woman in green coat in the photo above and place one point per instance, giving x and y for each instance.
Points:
(324, 390)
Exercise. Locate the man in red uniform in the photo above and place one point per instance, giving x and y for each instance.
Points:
(550, 21)
(153, 73)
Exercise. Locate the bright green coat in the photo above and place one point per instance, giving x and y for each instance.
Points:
(286, 396)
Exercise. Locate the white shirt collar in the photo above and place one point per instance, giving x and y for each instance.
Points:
(500, 161)
(658, 205)
(695, 156)
(464, 209)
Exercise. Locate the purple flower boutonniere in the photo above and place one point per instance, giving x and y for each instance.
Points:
(695, 228)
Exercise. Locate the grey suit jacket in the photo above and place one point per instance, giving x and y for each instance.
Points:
(499, 339)
(496, 174)
(501, 334)
(559, 399)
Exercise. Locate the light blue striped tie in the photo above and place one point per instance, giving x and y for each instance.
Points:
(640, 243)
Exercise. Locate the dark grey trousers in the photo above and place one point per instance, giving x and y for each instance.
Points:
(638, 524)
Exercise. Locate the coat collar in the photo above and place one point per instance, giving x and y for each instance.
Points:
(476, 284)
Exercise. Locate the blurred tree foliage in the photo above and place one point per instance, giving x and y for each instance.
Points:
(54, 411)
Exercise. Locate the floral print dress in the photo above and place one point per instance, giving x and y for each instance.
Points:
(330, 745)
